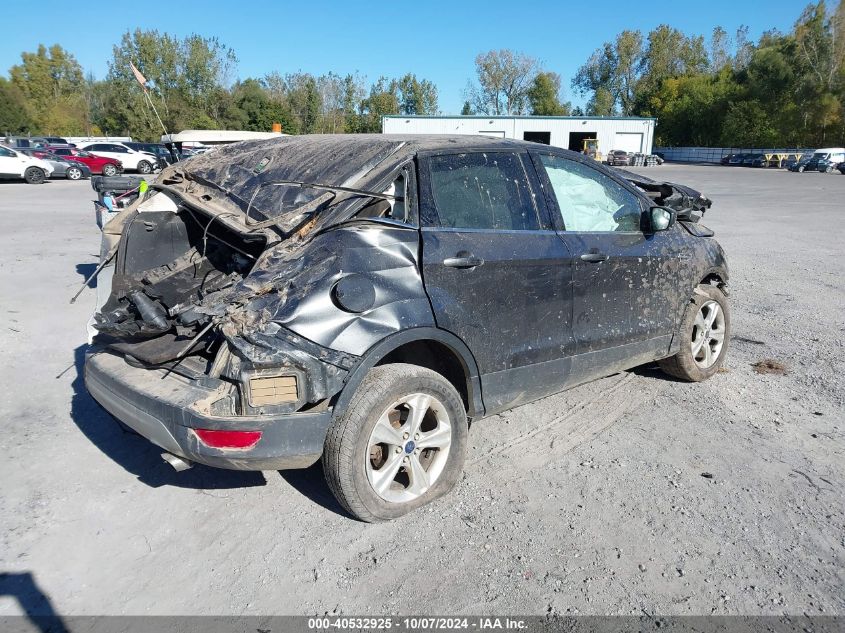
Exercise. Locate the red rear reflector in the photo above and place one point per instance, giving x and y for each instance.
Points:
(228, 439)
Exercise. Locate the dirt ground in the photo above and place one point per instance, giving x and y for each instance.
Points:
(633, 494)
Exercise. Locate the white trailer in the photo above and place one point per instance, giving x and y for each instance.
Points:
(632, 134)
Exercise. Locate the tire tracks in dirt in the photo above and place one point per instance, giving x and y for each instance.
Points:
(529, 445)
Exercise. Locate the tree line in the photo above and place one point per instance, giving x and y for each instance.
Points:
(784, 89)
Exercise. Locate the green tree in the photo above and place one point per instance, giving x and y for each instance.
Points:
(51, 83)
(544, 95)
(503, 80)
(383, 99)
(14, 118)
(612, 74)
(416, 96)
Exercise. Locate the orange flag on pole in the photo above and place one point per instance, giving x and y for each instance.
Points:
(141, 79)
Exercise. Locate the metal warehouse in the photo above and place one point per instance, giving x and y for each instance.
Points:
(632, 134)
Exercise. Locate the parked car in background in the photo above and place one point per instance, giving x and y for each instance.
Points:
(14, 164)
(798, 164)
(735, 160)
(158, 150)
(56, 140)
(142, 162)
(97, 164)
(618, 157)
(725, 160)
(841, 168)
(62, 167)
(464, 276)
(23, 141)
(759, 160)
(826, 159)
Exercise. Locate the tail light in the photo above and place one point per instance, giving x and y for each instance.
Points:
(228, 439)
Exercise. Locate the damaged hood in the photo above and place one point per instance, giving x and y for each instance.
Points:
(689, 204)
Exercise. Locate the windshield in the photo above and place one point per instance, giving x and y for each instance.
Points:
(821, 155)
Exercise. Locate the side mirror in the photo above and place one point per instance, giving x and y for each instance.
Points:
(661, 218)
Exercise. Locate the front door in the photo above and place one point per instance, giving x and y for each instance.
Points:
(10, 163)
(497, 274)
(625, 279)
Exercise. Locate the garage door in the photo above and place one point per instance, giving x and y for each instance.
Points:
(628, 141)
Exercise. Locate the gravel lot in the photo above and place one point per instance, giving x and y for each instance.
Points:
(594, 501)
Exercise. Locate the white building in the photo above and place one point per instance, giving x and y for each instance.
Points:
(632, 134)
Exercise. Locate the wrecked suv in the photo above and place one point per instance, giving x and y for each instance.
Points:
(362, 298)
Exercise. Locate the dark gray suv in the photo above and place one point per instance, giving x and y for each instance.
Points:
(363, 298)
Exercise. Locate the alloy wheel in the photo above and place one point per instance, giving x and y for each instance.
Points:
(408, 448)
(708, 334)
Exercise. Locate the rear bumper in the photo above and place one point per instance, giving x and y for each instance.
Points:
(165, 410)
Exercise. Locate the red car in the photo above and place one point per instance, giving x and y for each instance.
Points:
(97, 164)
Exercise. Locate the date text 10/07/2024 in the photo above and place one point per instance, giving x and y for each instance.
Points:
(417, 623)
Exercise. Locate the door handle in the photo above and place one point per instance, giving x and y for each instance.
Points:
(463, 260)
(594, 257)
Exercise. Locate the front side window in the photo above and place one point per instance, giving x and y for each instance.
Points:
(590, 201)
(484, 190)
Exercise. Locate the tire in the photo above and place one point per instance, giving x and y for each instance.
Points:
(34, 175)
(801, 169)
(73, 173)
(144, 167)
(697, 337)
(828, 170)
(354, 458)
(109, 170)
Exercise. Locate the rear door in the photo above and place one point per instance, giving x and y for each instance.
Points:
(626, 281)
(497, 274)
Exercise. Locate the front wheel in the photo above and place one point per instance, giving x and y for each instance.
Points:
(704, 332)
(73, 173)
(34, 175)
(144, 167)
(399, 445)
(109, 170)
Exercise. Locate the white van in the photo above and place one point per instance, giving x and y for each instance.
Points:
(826, 159)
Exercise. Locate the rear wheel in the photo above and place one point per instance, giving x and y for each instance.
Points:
(704, 334)
(144, 167)
(400, 443)
(73, 173)
(34, 175)
(109, 170)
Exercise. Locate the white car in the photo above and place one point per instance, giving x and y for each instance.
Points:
(16, 165)
(142, 162)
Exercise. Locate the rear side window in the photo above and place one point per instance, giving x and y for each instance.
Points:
(482, 191)
(589, 200)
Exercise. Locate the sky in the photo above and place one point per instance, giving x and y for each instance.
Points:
(435, 40)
